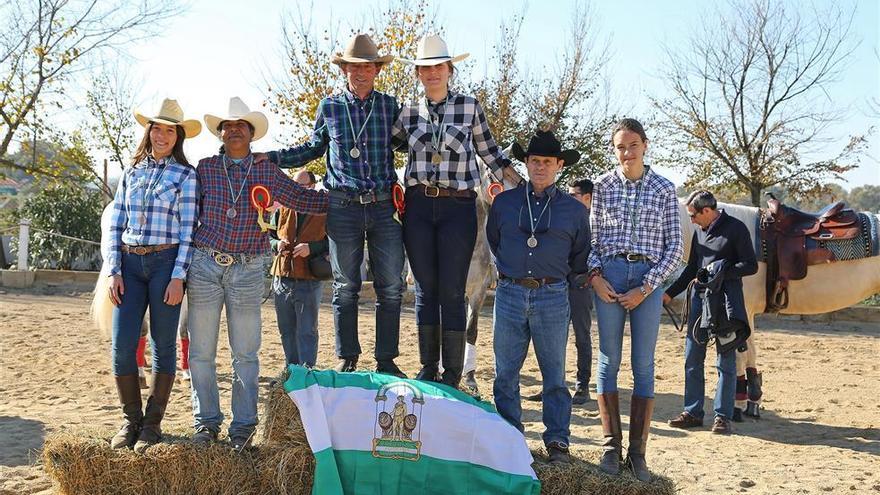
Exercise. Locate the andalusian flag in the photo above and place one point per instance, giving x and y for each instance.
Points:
(374, 433)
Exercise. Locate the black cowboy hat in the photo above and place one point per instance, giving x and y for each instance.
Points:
(544, 143)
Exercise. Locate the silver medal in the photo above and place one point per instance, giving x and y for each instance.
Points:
(230, 212)
(532, 242)
(355, 153)
(634, 238)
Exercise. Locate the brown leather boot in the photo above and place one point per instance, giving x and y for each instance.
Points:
(609, 412)
(151, 430)
(129, 389)
(640, 412)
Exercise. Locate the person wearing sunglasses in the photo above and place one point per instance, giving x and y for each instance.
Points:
(539, 236)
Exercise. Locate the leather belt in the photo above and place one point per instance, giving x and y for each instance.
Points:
(363, 198)
(142, 250)
(226, 259)
(632, 258)
(532, 283)
(443, 192)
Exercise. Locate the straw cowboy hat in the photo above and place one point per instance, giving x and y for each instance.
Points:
(432, 50)
(361, 49)
(239, 111)
(170, 114)
(544, 143)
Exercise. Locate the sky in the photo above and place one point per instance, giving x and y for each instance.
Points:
(221, 48)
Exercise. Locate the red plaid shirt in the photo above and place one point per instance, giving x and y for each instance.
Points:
(242, 234)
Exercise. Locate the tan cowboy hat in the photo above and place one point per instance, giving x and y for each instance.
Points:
(432, 50)
(171, 114)
(239, 111)
(361, 49)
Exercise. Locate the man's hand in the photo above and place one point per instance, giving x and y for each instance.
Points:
(174, 292)
(283, 246)
(511, 175)
(666, 299)
(117, 289)
(301, 250)
(261, 157)
(604, 290)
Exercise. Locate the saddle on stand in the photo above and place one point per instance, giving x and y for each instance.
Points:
(792, 240)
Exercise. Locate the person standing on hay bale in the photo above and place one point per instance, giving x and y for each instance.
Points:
(720, 238)
(228, 267)
(636, 244)
(353, 130)
(299, 241)
(154, 215)
(539, 236)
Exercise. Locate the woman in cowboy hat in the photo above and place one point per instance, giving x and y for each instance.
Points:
(152, 223)
(444, 132)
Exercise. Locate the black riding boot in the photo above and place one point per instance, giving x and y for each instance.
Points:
(453, 357)
(429, 353)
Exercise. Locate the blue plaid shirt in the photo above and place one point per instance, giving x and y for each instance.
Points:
(373, 170)
(636, 217)
(155, 203)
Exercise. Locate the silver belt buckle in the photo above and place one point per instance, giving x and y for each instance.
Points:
(138, 250)
(223, 259)
(632, 258)
(366, 198)
(435, 189)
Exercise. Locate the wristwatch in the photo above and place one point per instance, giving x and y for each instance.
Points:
(643, 290)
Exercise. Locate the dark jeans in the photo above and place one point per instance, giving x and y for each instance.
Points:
(296, 305)
(581, 302)
(440, 234)
(146, 278)
(694, 374)
(348, 224)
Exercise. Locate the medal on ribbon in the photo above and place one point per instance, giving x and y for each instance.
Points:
(398, 197)
(262, 200)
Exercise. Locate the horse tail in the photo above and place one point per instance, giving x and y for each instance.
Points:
(101, 309)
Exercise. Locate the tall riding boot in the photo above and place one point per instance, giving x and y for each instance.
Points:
(453, 357)
(609, 412)
(151, 430)
(640, 412)
(129, 389)
(429, 353)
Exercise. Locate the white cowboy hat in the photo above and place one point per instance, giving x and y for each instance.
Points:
(432, 50)
(361, 49)
(170, 114)
(239, 111)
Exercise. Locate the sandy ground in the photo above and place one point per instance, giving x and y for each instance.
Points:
(819, 431)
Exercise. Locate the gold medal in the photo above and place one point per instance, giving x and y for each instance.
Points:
(435, 159)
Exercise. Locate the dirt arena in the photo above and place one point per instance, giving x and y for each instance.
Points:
(820, 431)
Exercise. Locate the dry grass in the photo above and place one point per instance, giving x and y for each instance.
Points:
(282, 463)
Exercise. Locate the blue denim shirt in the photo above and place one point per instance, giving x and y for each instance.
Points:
(562, 232)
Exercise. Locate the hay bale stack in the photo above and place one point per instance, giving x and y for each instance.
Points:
(281, 420)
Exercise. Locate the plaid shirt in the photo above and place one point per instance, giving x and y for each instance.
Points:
(242, 235)
(652, 203)
(155, 203)
(463, 134)
(373, 170)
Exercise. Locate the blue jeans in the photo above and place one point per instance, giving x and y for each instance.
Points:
(239, 287)
(145, 278)
(348, 224)
(644, 324)
(440, 235)
(296, 305)
(694, 378)
(581, 302)
(540, 315)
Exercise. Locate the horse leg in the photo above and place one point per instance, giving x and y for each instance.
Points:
(753, 380)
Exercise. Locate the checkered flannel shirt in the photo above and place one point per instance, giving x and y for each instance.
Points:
(465, 133)
(242, 234)
(169, 208)
(658, 226)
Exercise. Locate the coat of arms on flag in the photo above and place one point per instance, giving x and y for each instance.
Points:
(375, 433)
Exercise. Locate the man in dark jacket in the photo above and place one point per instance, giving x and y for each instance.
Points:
(719, 237)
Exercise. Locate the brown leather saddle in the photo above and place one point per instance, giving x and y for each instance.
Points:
(792, 240)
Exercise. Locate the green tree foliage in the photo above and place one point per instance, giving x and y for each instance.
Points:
(865, 198)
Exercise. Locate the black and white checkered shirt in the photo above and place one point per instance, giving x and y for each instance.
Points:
(462, 133)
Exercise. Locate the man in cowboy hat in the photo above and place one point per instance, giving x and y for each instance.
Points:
(540, 238)
(228, 268)
(353, 130)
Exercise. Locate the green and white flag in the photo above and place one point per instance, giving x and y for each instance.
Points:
(373, 433)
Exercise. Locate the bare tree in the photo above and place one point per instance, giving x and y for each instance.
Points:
(751, 99)
(45, 43)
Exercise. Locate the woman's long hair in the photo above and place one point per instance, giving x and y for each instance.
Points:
(145, 148)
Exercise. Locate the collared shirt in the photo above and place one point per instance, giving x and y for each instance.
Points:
(241, 234)
(459, 129)
(562, 232)
(155, 203)
(333, 135)
(636, 217)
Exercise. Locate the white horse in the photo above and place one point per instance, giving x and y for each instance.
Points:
(827, 287)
